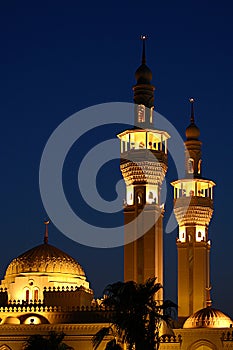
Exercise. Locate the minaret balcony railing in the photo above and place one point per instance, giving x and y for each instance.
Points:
(193, 201)
(144, 154)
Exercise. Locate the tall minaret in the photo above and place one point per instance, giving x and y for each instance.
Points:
(143, 166)
(193, 207)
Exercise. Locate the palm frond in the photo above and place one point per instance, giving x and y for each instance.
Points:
(100, 335)
(113, 345)
(168, 304)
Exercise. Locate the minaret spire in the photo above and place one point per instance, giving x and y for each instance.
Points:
(143, 38)
(192, 119)
(46, 234)
(143, 92)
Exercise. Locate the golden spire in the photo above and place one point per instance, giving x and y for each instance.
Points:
(46, 234)
(208, 297)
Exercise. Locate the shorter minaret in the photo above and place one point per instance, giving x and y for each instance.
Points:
(193, 208)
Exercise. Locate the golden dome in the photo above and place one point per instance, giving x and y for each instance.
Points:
(208, 318)
(44, 258)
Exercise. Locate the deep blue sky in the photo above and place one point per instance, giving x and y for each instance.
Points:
(59, 57)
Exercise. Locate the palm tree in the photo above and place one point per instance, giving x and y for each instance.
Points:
(136, 315)
(53, 342)
(35, 342)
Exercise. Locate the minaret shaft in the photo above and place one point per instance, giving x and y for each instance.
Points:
(193, 274)
(143, 258)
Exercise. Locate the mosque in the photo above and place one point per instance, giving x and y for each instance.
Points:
(45, 289)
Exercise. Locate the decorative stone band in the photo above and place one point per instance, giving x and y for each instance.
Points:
(35, 308)
(84, 328)
(145, 172)
(171, 339)
(228, 336)
(67, 289)
(195, 210)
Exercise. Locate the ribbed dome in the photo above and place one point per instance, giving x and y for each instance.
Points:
(143, 74)
(44, 258)
(208, 318)
(192, 132)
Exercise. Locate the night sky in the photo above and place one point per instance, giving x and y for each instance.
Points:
(59, 57)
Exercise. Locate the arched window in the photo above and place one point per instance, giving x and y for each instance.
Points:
(36, 295)
(139, 198)
(191, 166)
(190, 238)
(199, 166)
(202, 345)
(141, 113)
(27, 295)
(151, 115)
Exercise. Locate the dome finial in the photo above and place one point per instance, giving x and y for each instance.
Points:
(208, 297)
(192, 120)
(46, 234)
(144, 38)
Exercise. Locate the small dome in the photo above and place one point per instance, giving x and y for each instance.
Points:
(165, 329)
(143, 74)
(208, 318)
(11, 320)
(44, 258)
(192, 132)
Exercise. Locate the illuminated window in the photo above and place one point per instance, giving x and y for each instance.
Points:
(36, 294)
(199, 166)
(182, 234)
(27, 295)
(129, 195)
(141, 113)
(190, 166)
(151, 195)
(200, 233)
(190, 238)
(139, 198)
(151, 115)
